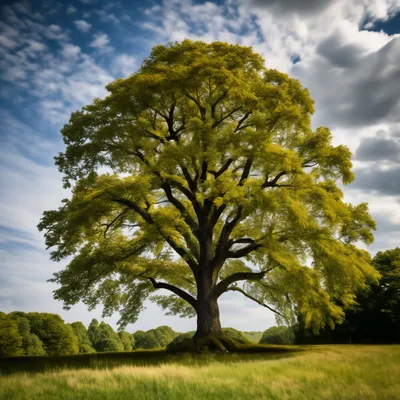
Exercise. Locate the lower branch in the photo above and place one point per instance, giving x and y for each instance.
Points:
(237, 276)
(236, 289)
(179, 292)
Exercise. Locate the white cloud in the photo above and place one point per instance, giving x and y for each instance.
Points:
(100, 40)
(70, 51)
(124, 65)
(108, 17)
(71, 10)
(82, 25)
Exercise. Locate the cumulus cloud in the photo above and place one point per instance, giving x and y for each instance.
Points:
(82, 25)
(379, 149)
(100, 40)
(306, 7)
(352, 87)
(61, 78)
(124, 65)
(378, 180)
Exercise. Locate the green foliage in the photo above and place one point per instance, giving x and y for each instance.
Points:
(235, 334)
(31, 343)
(277, 335)
(93, 332)
(108, 339)
(214, 160)
(10, 338)
(84, 343)
(57, 337)
(375, 317)
(127, 340)
(386, 294)
(144, 340)
(154, 338)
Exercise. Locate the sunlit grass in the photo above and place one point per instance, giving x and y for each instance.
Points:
(329, 372)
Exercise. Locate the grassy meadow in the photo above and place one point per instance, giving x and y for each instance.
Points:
(321, 372)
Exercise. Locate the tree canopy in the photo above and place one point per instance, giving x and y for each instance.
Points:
(200, 174)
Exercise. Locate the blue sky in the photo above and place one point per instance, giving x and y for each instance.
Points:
(56, 57)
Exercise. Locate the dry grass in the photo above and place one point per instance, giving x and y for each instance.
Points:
(329, 372)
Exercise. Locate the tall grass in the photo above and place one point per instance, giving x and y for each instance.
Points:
(329, 372)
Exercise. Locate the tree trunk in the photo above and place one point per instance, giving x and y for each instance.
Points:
(207, 306)
(207, 318)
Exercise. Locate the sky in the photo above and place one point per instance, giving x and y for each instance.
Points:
(55, 57)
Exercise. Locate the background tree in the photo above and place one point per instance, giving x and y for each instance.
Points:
(84, 343)
(57, 337)
(10, 338)
(277, 335)
(163, 335)
(127, 340)
(31, 343)
(109, 339)
(94, 333)
(146, 340)
(217, 183)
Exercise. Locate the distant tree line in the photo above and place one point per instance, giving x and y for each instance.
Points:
(39, 334)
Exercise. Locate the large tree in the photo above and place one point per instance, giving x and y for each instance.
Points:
(200, 174)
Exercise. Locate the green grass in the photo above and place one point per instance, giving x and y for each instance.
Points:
(322, 372)
(9, 365)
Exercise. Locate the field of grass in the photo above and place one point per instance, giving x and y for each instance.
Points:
(322, 372)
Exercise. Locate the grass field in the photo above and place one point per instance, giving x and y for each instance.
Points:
(322, 372)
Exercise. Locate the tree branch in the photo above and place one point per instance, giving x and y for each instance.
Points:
(181, 208)
(236, 277)
(110, 224)
(223, 118)
(224, 168)
(179, 292)
(149, 219)
(242, 120)
(243, 251)
(214, 105)
(197, 102)
(246, 171)
(236, 289)
(189, 195)
(274, 181)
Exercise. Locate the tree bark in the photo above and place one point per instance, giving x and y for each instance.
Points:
(207, 318)
(207, 305)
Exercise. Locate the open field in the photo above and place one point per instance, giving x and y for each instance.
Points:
(322, 372)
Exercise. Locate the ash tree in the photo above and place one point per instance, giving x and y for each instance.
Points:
(200, 174)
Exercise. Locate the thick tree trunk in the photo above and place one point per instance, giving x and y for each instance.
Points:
(207, 306)
(207, 317)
